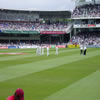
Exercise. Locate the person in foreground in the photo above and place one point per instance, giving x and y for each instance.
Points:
(18, 95)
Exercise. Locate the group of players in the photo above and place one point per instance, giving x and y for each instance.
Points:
(40, 50)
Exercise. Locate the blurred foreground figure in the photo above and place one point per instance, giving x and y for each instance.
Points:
(18, 95)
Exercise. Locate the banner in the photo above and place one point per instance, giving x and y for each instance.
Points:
(13, 47)
(85, 26)
(91, 25)
(3, 47)
(52, 32)
(20, 32)
(23, 47)
(61, 46)
(82, 0)
(73, 46)
(52, 46)
(93, 46)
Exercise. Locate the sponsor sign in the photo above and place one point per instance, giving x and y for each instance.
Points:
(93, 46)
(3, 47)
(73, 46)
(13, 47)
(53, 46)
(33, 46)
(52, 32)
(12, 53)
(85, 26)
(91, 25)
(61, 46)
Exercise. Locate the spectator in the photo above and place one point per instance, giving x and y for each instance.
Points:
(88, 38)
(14, 26)
(18, 95)
(89, 10)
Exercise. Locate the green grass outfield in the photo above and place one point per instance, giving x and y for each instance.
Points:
(68, 76)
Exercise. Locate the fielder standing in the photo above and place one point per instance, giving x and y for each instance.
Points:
(47, 51)
(42, 50)
(81, 49)
(37, 51)
(56, 50)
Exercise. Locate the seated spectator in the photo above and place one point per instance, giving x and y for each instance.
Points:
(18, 95)
(90, 10)
(87, 38)
(14, 26)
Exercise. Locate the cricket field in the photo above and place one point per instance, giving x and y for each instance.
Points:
(67, 76)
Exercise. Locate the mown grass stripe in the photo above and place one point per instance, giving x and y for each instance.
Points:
(52, 52)
(87, 88)
(27, 60)
(31, 55)
(25, 69)
(16, 50)
(48, 82)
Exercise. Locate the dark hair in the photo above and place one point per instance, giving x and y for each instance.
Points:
(16, 97)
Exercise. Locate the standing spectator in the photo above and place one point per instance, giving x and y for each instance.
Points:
(18, 95)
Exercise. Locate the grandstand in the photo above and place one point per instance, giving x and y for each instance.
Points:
(52, 27)
(86, 22)
(33, 26)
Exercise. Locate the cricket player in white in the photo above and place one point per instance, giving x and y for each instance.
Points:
(37, 51)
(56, 50)
(47, 51)
(81, 49)
(42, 50)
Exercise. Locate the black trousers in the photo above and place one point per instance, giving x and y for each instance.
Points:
(81, 51)
(84, 52)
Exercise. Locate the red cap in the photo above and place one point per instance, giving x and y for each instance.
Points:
(19, 92)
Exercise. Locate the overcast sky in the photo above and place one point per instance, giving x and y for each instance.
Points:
(37, 4)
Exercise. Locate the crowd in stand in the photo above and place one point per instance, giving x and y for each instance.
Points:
(89, 10)
(15, 26)
(32, 26)
(87, 38)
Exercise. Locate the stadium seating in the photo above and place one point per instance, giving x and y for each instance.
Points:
(31, 26)
(87, 38)
(87, 11)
